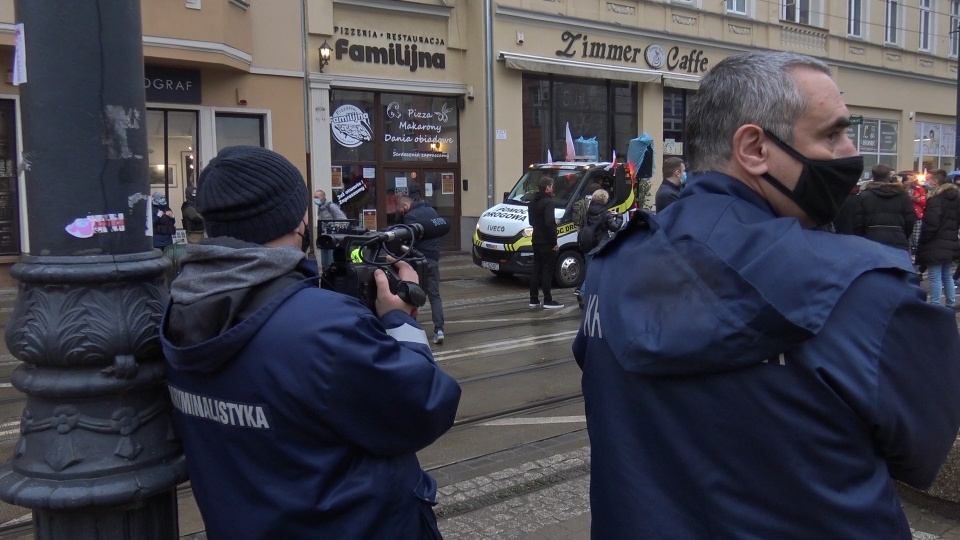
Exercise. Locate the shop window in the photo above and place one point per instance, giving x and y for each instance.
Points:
(359, 193)
(604, 110)
(675, 103)
(172, 149)
(239, 129)
(351, 126)
(420, 128)
(933, 146)
(877, 141)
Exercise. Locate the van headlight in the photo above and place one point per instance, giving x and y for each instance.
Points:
(528, 232)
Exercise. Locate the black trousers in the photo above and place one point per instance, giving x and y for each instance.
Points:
(544, 258)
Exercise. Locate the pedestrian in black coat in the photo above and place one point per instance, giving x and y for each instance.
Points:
(939, 244)
(884, 210)
(545, 248)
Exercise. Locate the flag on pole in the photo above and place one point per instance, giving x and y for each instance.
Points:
(549, 156)
(571, 151)
(613, 165)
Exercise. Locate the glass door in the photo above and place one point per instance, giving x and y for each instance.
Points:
(435, 186)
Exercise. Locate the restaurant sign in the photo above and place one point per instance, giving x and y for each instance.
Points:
(579, 45)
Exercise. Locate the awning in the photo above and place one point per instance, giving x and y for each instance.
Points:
(681, 80)
(542, 64)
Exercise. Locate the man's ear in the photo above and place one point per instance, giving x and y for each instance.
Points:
(750, 149)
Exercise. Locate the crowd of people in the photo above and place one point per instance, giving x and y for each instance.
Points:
(919, 214)
(754, 374)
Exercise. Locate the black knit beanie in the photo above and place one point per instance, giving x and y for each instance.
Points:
(252, 194)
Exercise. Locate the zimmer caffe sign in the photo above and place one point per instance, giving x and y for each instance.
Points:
(579, 45)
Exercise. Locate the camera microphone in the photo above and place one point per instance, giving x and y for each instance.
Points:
(402, 232)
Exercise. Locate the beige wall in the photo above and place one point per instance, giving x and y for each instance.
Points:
(277, 35)
(217, 22)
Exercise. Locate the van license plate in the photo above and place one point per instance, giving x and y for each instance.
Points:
(490, 265)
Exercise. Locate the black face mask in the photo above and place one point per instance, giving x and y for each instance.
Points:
(823, 184)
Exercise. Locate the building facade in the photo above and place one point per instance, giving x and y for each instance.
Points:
(449, 100)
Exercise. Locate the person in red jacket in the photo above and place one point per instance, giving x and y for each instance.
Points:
(919, 196)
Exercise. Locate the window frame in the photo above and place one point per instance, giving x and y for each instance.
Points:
(731, 6)
(856, 16)
(924, 30)
(891, 28)
(954, 30)
(805, 12)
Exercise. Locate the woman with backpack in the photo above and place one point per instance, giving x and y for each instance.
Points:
(599, 223)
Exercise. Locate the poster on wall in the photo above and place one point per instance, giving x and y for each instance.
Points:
(336, 177)
(948, 140)
(930, 140)
(370, 219)
(869, 136)
(446, 183)
(917, 130)
(428, 189)
(889, 137)
(400, 186)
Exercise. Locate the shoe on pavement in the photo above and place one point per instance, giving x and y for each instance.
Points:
(534, 305)
(552, 305)
(438, 337)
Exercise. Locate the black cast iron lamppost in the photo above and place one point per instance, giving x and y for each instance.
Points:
(325, 51)
(97, 457)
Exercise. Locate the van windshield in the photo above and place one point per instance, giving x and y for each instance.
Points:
(565, 182)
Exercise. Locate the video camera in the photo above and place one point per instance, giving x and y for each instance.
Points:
(358, 253)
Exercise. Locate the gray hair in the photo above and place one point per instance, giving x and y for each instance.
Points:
(748, 88)
(601, 196)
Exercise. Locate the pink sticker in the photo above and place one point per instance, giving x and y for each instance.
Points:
(81, 228)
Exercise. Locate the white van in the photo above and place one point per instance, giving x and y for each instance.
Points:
(503, 240)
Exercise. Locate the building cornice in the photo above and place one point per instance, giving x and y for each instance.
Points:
(199, 46)
(338, 80)
(399, 6)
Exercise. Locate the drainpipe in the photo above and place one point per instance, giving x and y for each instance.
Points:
(98, 455)
(488, 87)
(307, 117)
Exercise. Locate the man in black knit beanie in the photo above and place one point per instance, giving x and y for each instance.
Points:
(300, 410)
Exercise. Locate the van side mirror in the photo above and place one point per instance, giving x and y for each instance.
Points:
(505, 195)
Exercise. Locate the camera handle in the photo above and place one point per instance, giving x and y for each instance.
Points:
(408, 291)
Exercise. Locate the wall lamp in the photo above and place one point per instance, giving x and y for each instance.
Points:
(325, 51)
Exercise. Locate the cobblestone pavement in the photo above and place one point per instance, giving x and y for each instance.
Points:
(547, 498)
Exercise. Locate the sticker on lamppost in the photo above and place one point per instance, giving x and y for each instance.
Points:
(86, 227)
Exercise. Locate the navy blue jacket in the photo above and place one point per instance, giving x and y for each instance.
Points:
(749, 378)
(667, 194)
(423, 213)
(302, 419)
